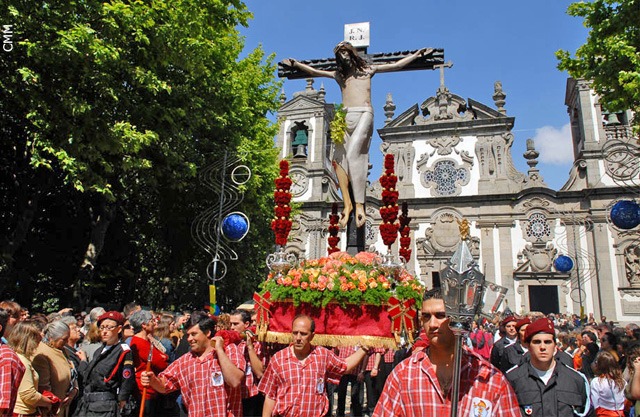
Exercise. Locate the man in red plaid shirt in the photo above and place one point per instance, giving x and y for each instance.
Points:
(208, 377)
(421, 384)
(295, 379)
(252, 399)
(11, 371)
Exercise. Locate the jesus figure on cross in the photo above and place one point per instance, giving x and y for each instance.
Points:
(351, 157)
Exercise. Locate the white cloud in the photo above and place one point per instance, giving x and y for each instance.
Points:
(554, 145)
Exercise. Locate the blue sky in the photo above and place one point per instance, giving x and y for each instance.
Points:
(510, 41)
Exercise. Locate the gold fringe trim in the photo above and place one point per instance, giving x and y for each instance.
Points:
(335, 340)
(261, 330)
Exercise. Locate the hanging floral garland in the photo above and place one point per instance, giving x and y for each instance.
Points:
(281, 224)
(338, 125)
(334, 229)
(405, 240)
(389, 209)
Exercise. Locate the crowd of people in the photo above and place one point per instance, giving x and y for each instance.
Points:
(138, 362)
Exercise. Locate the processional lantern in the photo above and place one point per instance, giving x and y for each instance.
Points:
(462, 291)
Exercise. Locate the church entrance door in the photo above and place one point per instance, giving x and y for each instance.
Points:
(544, 298)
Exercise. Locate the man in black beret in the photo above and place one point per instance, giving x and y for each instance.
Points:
(544, 386)
(509, 326)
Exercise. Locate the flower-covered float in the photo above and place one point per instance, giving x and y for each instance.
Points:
(354, 299)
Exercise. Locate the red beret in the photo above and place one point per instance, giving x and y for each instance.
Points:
(112, 315)
(543, 325)
(507, 320)
(522, 322)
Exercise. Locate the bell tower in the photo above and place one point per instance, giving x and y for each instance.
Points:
(304, 139)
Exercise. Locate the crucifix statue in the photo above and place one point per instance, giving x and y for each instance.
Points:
(353, 71)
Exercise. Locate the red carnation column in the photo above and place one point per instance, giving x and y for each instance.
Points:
(405, 240)
(389, 209)
(281, 224)
(334, 229)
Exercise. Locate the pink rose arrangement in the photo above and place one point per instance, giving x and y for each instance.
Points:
(343, 279)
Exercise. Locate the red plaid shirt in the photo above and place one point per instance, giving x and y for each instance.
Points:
(250, 388)
(388, 356)
(203, 389)
(345, 352)
(371, 358)
(413, 389)
(11, 372)
(299, 388)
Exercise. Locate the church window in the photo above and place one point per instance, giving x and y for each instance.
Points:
(538, 227)
(446, 176)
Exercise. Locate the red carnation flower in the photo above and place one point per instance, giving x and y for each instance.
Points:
(405, 231)
(282, 197)
(389, 162)
(405, 253)
(283, 183)
(334, 229)
(281, 225)
(229, 337)
(283, 211)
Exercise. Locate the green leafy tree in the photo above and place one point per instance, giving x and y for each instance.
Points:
(115, 105)
(610, 57)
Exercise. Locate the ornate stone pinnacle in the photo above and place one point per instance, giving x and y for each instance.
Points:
(389, 108)
(309, 86)
(499, 96)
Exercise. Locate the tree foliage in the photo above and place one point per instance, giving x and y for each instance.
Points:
(611, 55)
(109, 109)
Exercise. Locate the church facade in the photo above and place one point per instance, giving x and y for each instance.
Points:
(453, 161)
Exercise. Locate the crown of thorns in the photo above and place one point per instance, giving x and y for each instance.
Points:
(344, 45)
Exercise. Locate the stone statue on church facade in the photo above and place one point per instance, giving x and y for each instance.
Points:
(632, 263)
(351, 158)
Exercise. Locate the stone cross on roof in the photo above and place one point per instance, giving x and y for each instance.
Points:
(441, 67)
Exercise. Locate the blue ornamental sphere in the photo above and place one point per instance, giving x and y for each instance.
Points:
(235, 226)
(625, 214)
(563, 263)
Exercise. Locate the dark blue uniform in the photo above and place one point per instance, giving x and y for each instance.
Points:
(109, 378)
(566, 394)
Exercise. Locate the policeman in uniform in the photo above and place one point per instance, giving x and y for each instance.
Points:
(110, 376)
(544, 386)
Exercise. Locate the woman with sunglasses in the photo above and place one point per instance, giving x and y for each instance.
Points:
(109, 377)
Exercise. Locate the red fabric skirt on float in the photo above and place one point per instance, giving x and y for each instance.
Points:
(335, 325)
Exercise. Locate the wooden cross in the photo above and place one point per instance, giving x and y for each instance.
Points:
(431, 61)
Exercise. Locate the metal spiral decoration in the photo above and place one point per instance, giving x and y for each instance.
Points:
(585, 265)
(224, 178)
(621, 155)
